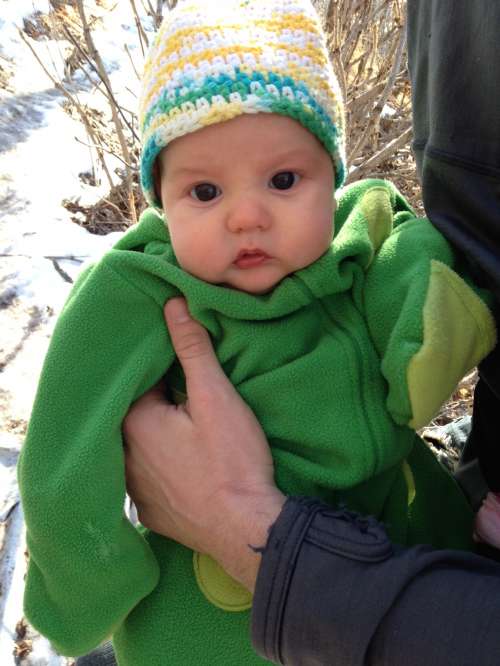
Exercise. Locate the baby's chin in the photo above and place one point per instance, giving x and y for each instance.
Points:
(256, 289)
(260, 283)
(257, 285)
(254, 292)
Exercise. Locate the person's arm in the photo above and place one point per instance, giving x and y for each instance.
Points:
(332, 589)
(457, 151)
(88, 566)
(221, 460)
(329, 587)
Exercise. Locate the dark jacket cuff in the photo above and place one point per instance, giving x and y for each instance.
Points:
(301, 573)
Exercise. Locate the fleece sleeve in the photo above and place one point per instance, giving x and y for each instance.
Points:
(88, 566)
(429, 325)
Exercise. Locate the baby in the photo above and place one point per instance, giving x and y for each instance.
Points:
(344, 333)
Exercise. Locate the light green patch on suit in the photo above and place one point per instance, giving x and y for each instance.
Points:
(410, 482)
(218, 586)
(458, 331)
(376, 207)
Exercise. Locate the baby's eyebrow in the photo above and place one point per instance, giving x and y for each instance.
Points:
(185, 171)
(275, 159)
(292, 155)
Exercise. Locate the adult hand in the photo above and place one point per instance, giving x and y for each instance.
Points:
(202, 473)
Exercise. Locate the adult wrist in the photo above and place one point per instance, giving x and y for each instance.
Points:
(252, 520)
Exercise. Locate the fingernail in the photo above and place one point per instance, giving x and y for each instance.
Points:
(177, 310)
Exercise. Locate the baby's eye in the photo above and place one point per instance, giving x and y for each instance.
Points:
(205, 192)
(284, 180)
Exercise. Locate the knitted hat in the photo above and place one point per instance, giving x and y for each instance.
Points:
(213, 60)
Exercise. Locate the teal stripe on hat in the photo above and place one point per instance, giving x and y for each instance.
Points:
(310, 114)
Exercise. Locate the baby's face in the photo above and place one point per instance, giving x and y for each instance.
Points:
(248, 201)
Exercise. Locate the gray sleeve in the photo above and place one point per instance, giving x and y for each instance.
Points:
(332, 589)
(454, 56)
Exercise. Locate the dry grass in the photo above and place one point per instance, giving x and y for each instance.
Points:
(109, 213)
(460, 402)
(367, 41)
(6, 72)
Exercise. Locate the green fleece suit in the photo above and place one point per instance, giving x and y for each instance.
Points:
(341, 362)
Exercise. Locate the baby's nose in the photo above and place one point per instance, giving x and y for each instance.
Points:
(248, 213)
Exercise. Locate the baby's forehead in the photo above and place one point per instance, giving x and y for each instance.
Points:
(263, 133)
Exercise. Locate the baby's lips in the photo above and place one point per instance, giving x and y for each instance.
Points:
(250, 258)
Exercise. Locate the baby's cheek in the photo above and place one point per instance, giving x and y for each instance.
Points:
(184, 249)
(190, 260)
(197, 256)
(316, 242)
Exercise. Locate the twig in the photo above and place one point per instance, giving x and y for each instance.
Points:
(132, 94)
(395, 70)
(73, 101)
(110, 203)
(108, 93)
(113, 104)
(106, 150)
(143, 38)
(127, 51)
(375, 114)
(381, 156)
(159, 13)
(366, 97)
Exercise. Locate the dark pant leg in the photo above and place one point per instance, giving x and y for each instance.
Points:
(454, 58)
(102, 656)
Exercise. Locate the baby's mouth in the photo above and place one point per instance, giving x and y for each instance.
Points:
(250, 258)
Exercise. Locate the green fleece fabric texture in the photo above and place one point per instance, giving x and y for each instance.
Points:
(323, 360)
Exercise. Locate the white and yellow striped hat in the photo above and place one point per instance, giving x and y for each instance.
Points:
(213, 60)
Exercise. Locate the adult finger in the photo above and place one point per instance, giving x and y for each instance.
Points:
(193, 348)
(156, 394)
(145, 411)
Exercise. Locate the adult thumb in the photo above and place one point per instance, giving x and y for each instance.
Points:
(192, 346)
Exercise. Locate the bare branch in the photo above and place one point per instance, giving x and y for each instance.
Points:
(81, 112)
(143, 38)
(113, 105)
(108, 92)
(388, 150)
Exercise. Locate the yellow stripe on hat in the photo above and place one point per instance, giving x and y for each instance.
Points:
(306, 74)
(275, 24)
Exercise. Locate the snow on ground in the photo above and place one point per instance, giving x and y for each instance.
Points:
(41, 250)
